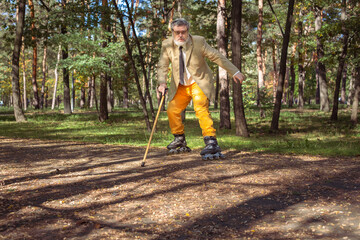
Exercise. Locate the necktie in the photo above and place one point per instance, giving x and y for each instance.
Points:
(181, 66)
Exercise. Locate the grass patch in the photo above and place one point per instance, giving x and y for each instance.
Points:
(306, 132)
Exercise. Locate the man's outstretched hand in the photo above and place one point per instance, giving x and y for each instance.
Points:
(239, 77)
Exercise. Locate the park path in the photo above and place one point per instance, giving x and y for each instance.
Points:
(71, 190)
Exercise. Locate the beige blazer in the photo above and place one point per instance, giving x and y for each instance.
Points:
(197, 50)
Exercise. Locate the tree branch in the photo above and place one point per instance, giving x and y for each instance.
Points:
(272, 9)
(44, 5)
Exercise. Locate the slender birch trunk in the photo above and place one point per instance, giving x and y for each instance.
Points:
(56, 79)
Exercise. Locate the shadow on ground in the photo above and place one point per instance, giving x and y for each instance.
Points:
(58, 190)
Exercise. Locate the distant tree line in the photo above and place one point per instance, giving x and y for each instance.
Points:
(100, 54)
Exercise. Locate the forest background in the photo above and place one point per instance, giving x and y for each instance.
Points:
(74, 57)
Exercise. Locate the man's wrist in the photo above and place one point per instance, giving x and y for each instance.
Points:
(236, 73)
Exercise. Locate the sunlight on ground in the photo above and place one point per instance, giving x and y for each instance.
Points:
(59, 189)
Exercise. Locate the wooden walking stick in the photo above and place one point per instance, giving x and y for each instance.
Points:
(153, 129)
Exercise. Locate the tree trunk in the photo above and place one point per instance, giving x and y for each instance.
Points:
(224, 82)
(73, 91)
(110, 95)
(103, 114)
(24, 79)
(93, 92)
(82, 97)
(43, 87)
(352, 87)
(275, 75)
(342, 58)
(217, 89)
(18, 112)
(56, 78)
(66, 80)
(179, 8)
(355, 104)
(343, 85)
(279, 91)
(292, 78)
(66, 77)
(259, 57)
(125, 87)
(240, 120)
(129, 52)
(35, 101)
(324, 97)
(301, 70)
(286, 86)
(317, 94)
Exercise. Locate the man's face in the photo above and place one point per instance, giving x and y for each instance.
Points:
(180, 33)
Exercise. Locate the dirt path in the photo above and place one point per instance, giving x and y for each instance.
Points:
(66, 190)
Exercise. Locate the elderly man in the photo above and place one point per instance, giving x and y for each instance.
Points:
(191, 79)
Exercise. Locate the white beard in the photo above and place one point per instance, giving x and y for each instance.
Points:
(181, 44)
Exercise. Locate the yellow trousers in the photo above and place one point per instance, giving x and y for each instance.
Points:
(180, 101)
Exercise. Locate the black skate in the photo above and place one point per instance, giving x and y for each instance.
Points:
(212, 150)
(178, 145)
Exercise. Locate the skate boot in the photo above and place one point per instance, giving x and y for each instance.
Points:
(178, 145)
(211, 150)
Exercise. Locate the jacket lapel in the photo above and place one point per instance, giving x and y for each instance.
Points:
(189, 49)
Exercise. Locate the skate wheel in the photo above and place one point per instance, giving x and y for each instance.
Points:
(219, 155)
(173, 151)
(207, 157)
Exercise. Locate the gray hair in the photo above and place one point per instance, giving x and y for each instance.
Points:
(180, 22)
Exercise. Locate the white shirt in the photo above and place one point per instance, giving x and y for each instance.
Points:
(188, 75)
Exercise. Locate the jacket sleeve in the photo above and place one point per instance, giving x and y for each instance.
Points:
(216, 57)
(163, 64)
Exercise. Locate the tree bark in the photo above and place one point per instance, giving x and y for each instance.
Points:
(259, 58)
(279, 91)
(18, 112)
(275, 74)
(43, 87)
(24, 79)
(223, 79)
(104, 114)
(301, 70)
(179, 8)
(352, 87)
(217, 89)
(110, 95)
(342, 58)
(82, 97)
(343, 85)
(125, 87)
(355, 103)
(73, 91)
(66, 76)
(292, 78)
(323, 88)
(35, 101)
(92, 94)
(240, 120)
(56, 78)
